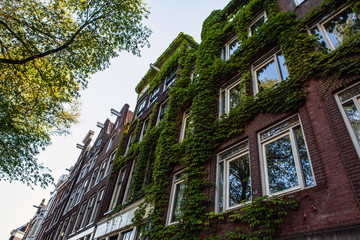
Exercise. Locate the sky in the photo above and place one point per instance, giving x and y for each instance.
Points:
(111, 88)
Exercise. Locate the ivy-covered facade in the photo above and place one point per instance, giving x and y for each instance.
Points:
(254, 133)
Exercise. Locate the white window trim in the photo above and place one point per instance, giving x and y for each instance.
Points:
(263, 164)
(226, 49)
(263, 14)
(130, 142)
(257, 66)
(110, 143)
(345, 117)
(157, 91)
(225, 173)
(127, 189)
(158, 118)
(172, 197)
(140, 111)
(183, 125)
(142, 134)
(172, 82)
(321, 27)
(227, 89)
(116, 191)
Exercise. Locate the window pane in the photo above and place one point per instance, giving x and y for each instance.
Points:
(316, 32)
(221, 186)
(348, 94)
(177, 202)
(304, 158)
(267, 76)
(342, 26)
(280, 165)
(254, 27)
(127, 235)
(235, 94)
(222, 109)
(233, 46)
(282, 66)
(115, 237)
(239, 181)
(354, 118)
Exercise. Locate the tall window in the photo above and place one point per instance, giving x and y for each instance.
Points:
(230, 48)
(79, 217)
(130, 141)
(170, 79)
(332, 30)
(230, 97)
(141, 108)
(285, 158)
(269, 72)
(256, 23)
(101, 172)
(128, 235)
(153, 96)
(185, 126)
(110, 163)
(93, 178)
(97, 205)
(128, 192)
(71, 225)
(88, 212)
(176, 198)
(144, 128)
(162, 111)
(116, 192)
(349, 104)
(110, 143)
(233, 177)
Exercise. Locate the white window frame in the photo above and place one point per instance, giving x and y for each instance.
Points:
(153, 96)
(160, 108)
(141, 108)
(128, 184)
(193, 75)
(226, 50)
(110, 143)
(110, 163)
(186, 116)
(130, 142)
(172, 196)
(226, 89)
(226, 161)
(143, 130)
(269, 57)
(118, 185)
(340, 104)
(263, 14)
(322, 29)
(300, 176)
(172, 76)
(96, 205)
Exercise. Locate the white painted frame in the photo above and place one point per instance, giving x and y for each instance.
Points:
(172, 196)
(263, 14)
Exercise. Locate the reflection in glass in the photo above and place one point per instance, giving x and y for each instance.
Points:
(342, 26)
(233, 46)
(354, 118)
(304, 158)
(267, 76)
(254, 27)
(280, 165)
(223, 98)
(235, 99)
(127, 235)
(282, 64)
(221, 186)
(178, 196)
(316, 32)
(239, 181)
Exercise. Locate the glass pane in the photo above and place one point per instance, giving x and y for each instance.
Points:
(282, 66)
(235, 150)
(239, 181)
(354, 118)
(115, 237)
(316, 32)
(267, 76)
(279, 128)
(233, 46)
(222, 98)
(254, 27)
(175, 216)
(348, 94)
(127, 235)
(280, 165)
(342, 26)
(235, 96)
(304, 158)
(221, 187)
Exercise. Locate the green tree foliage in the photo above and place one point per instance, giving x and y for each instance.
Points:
(48, 48)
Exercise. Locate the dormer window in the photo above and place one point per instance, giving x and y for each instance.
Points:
(141, 108)
(170, 79)
(153, 96)
(256, 23)
(230, 48)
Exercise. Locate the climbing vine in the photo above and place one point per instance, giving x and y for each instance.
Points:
(160, 150)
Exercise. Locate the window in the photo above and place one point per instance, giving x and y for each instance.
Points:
(71, 225)
(256, 24)
(141, 108)
(110, 164)
(298, 2)
(128, 235)
(194, 75)
(88, 211)
(332, 30)
(83, 188)
(230, 97)
(79, 217)
(269, 72)
(93, 178)
(233, 177)
(153, 96)
(116, 192)
(162, 111)
(130, 141)
(110, 143)
(176, 198)
(128, 193)
(98, 142)
(185, 128)
(97, 204)
(349, 104)
(230, 48)
(285, 158)
(101, 172)
(170, 79)
(144, 128)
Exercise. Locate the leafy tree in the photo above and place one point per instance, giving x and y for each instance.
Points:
(48, 48)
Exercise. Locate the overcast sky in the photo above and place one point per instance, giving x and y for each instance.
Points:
(111, 88)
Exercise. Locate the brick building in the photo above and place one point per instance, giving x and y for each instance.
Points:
(266, 105)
